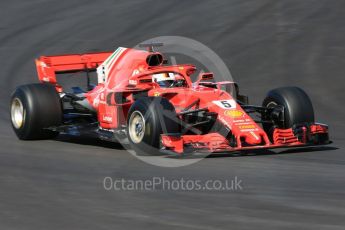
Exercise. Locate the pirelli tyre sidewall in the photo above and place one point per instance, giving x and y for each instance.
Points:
(297, 107)
(34, 108)
(152, 116)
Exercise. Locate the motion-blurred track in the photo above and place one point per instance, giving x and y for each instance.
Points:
(57, 184)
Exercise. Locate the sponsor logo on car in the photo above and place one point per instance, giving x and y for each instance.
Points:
(107, 118)
(233, 113)
(132, 82)
(247, 126)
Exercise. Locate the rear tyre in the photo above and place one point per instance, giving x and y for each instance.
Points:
(34, 108)
(148, 118)
(297, 107)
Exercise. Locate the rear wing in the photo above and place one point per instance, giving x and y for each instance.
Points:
(49, 66)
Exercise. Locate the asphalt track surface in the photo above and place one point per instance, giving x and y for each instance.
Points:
(57, 184)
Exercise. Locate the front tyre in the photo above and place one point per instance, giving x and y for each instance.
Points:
(34, 108)
(297, 106)
(148, 118)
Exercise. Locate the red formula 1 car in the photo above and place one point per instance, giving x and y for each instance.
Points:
(139, 97)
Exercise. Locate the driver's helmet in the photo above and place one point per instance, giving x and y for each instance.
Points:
(164, 80)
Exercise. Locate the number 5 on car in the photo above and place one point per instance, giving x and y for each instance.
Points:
(226, 104)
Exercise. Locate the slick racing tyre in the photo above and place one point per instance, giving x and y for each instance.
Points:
(34, 108)
(148, 118)
(297, 107)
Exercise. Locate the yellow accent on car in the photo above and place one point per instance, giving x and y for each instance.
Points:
(233, 113)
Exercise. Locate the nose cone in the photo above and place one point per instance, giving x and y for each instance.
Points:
(253, 139)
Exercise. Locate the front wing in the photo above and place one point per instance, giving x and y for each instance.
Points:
(298, 136)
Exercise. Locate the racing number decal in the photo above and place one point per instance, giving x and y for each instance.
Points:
(226, 104)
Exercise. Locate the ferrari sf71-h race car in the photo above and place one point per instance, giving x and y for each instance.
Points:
(156, 107)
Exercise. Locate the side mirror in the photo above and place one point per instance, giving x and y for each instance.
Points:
(206, 76)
